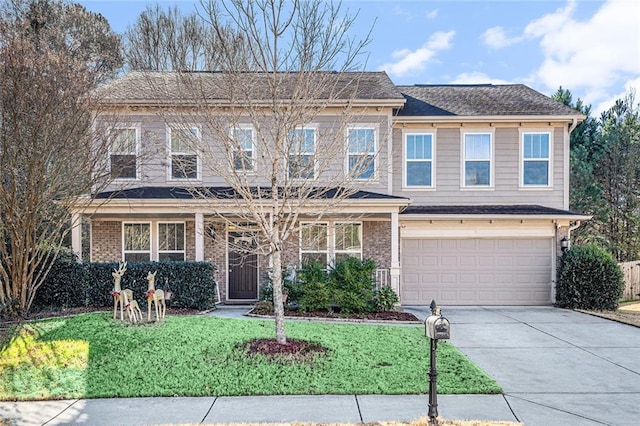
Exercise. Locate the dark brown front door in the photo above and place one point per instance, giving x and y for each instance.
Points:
(243, 266)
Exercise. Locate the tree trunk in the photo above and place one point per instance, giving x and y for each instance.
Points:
(278, 305)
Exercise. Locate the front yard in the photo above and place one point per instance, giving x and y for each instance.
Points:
(91, 356)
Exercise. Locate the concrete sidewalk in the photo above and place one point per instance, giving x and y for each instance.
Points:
(557, 367)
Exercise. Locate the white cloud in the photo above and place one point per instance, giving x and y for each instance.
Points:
(477, 78)
(432, 14)
(496, 38)
(590, 56)
(631, 85)
(416, 60)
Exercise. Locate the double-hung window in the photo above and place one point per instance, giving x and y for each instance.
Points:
(242, 149)
(314, 243)
(477, 152)
(136, 245)
(535, 159)
(302, 148)
(418, 153)
(171, 241)
(361, 158)
(183, 157)
(331, 242)
(123, 158)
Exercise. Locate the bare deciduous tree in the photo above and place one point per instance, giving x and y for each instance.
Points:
(51, 55)
(276, 116)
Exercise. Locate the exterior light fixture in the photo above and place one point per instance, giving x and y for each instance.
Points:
(564, 244)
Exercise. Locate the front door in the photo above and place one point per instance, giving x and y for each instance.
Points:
(243, 266)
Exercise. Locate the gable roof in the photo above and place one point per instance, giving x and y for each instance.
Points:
(155, 87)
(479, 100)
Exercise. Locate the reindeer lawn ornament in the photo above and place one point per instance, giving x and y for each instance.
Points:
(155, 296)
(118, 293)
(133, 309)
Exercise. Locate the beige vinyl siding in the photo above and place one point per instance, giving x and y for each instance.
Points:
(153, 151)
(506, 173)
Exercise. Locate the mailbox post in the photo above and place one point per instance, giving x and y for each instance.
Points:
(436, 327)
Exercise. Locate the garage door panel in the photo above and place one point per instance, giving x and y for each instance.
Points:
(477, 271)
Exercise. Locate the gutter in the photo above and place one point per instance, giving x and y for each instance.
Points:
(573, 126)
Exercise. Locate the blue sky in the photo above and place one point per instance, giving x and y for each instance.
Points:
(589, 47)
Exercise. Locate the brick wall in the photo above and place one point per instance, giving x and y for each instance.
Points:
(215, 252)
(107, 241)
(376, 238)
(190, 241)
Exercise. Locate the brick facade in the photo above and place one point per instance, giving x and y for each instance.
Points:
(215, 252)
(106, 239)
(376, 242)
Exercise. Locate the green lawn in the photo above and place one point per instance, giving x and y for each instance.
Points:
(91, 356)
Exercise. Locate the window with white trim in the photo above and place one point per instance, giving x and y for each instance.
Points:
(183, 157)
(314, 243)
(536, 159)
(243, 149)
(171, 241)
(327, 243)
(123, 157)
(302, 150)
(136, 242)
(361, 164)
(418, 154)
(477, 152)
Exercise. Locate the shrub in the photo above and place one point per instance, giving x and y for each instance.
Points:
(352, 282)
(314, 293)
(290, 286)
(384, 299)
(89, 284)
(263, 307)
(589, 278)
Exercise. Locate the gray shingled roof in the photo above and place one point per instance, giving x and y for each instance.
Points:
(177, 87)
(527, 209)
(479, 100)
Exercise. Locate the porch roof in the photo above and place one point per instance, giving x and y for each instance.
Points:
(500, 211)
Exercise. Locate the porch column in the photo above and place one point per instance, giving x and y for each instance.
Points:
(199, 237)
(76, 235)
(394, 271)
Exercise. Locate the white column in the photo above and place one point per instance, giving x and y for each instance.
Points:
(394, 271)
(199, 237)
(76, 235)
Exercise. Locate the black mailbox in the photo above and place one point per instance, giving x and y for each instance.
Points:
(437, 327)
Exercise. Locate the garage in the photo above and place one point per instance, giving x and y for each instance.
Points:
(476, 271)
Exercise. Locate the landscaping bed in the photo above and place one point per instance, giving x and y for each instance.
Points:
(622, 314)
(396, 316)
(94, 356)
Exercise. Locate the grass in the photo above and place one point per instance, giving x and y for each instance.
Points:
(92, 356)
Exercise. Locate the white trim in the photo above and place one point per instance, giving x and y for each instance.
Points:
(477, 229)
(331, 251)
(228, 268)
(157, 239)
(432, 160)
(535, 131)
(199, 237)
(137, 127)
(141, 222)
(376, 130)
(76, 235)
(253, 156)
(196, 151)
(492, 142)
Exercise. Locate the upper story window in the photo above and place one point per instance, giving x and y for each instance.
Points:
(183, 157)
(123, 158)
(136, 242)
(477, 154)
(361, 159)
(243, 149)
(418, 155)
(302, 149)
(536, 159)
(171, 241)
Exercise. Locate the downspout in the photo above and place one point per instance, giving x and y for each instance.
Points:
(573, 126)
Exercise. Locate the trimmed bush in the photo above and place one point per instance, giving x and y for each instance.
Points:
(315, 293)
(71, 284)
(589, 278)
(352, 282)
(290, 286)
(384, 299)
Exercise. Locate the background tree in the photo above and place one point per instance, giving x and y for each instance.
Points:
(51, 55)
(281, 65)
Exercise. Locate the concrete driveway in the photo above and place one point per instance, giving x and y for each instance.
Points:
(556, 367)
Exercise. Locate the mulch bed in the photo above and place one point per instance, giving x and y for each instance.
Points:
(373, 316)
(293, 350)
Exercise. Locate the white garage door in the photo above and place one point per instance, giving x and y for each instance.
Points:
(476, 271)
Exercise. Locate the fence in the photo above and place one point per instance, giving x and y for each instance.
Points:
(631, 271)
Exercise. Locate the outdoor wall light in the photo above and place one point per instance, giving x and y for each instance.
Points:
(564, 244)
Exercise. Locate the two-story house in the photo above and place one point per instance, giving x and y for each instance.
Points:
(465, 199)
